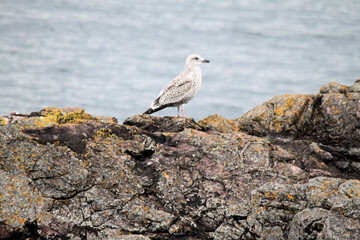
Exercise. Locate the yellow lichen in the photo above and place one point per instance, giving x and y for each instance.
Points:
(104, 133)
(56, 116)
(3, 121)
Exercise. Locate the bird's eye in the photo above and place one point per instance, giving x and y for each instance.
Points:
(196, 58)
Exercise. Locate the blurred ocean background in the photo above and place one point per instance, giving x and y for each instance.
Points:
(113, 57)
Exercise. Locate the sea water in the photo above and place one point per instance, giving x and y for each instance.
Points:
(113, 57)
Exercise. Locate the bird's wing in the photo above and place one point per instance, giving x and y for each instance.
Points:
(174, 91)
(179, 80)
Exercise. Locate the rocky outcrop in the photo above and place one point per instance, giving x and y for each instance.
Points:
(329, 121)
(288, 169)
(331, 116)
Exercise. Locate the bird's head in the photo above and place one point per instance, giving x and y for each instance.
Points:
(195, 60)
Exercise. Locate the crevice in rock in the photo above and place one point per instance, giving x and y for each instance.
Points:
(245, 235)
(29, 231)
(140, 156)
(298, 116)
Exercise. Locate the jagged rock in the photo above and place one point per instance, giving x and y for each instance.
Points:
(324, 208)
(285, 113)
(328, 123)
(307, 224)
(287, 169)
(334, 110)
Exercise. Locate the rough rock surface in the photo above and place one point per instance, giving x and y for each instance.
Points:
(288, 169)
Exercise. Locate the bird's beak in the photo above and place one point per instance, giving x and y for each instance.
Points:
(205, 61)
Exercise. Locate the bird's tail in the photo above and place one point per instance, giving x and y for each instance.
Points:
(150, 110)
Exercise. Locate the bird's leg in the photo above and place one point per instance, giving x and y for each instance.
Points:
(178, 111)
(183, 110)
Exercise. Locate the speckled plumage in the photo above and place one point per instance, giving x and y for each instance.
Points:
(182, 89)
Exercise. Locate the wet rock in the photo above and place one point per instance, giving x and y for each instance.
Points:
(288, 169)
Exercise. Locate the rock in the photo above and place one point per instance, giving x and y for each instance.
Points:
(309, 208)
(333, 87)
(315, 148)
(343, 218)
(309, 116)
(286, 113)
(288, 169)
(218, 123)
(342, 164)
(330, 120)
(158, 124)
(307, 224)
(356, 86)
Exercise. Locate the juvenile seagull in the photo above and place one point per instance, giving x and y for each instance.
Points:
(182, 89)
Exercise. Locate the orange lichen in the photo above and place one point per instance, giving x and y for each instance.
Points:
(219, 123)
(20, 208)
(279, 111)
(271, 195)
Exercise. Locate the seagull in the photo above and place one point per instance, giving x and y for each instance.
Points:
(181, 89)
